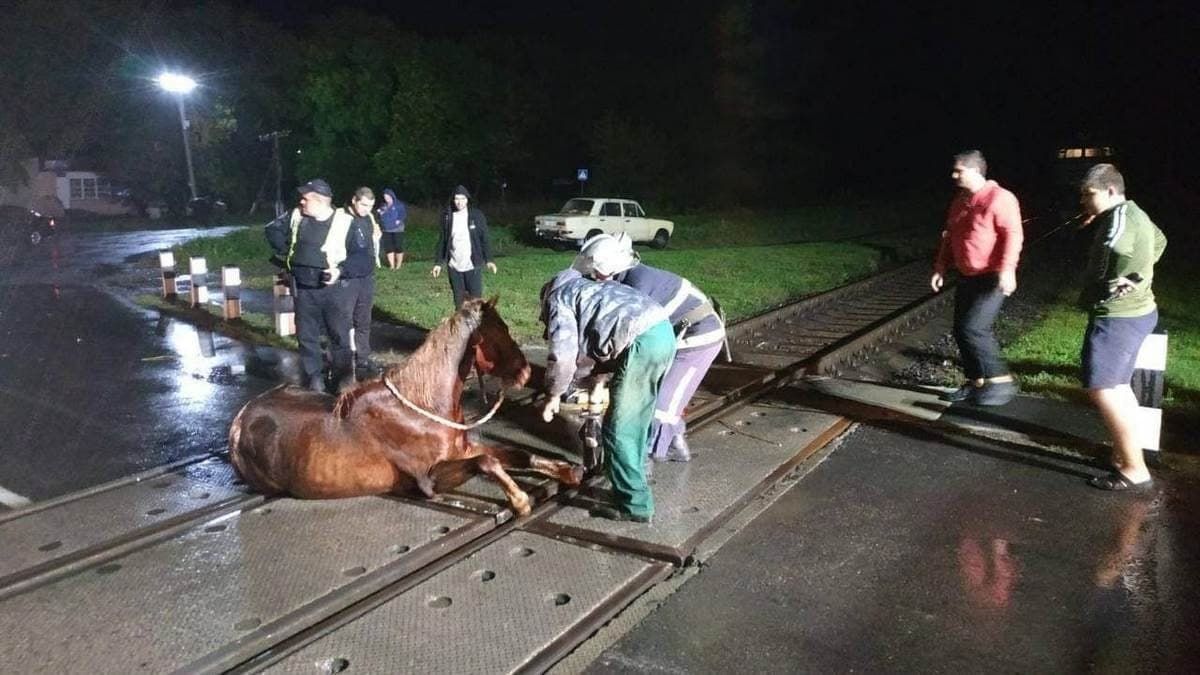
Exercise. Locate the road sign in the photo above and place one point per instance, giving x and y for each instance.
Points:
(581, 175)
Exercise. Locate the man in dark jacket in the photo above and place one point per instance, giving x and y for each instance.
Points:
(358, 271)
(310, 243)
(464, 245)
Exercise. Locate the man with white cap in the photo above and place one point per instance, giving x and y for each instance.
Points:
(699, 331)
(626, 333)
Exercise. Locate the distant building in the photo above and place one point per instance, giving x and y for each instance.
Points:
(55, 186)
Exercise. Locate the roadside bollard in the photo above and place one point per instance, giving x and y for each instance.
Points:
(231, 285)
(285, 307)
(166, 262)
(198, 269)
(1147, 384)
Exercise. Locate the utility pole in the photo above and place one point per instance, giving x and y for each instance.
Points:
(277, 164)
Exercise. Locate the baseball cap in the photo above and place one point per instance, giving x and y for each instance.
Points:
(316, 185)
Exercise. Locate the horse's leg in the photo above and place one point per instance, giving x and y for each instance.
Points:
(516, 496)
(563, 472)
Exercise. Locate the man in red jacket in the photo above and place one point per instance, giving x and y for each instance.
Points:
(982, 240)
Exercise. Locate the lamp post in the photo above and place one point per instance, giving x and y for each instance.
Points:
(182, 85)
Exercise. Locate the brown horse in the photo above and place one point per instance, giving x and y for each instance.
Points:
(392, 434)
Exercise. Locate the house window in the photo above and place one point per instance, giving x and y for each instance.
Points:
(83, 188)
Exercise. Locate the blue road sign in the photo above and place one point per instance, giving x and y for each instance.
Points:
(581, 175)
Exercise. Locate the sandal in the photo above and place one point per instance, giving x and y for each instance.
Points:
(1117, 482)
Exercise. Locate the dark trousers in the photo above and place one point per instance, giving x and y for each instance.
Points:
(977, 302)
(327, 310)
(465, 284)
(361, 298)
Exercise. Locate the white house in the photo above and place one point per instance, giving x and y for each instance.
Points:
(54, 187)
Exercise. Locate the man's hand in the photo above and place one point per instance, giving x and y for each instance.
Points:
(936, 281)
(437, 270)
(492, 266)
(1119, 287)
(1008, 282)
(331, 275)
(550, 409)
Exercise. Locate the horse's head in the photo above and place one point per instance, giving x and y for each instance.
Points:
(495, 351)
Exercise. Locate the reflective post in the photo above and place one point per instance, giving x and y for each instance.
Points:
(231, 285)
(285, 307)
(199, 271)
(166, 262)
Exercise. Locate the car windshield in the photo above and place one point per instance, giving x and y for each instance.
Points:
(578, 206)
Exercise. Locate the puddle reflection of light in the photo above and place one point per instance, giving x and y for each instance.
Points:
(194, 366)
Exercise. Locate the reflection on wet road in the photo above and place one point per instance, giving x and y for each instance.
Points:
(93, 388)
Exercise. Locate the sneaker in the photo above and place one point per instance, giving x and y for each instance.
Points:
(996, 393)
(618, 514)
(679, 450)
(963, 393)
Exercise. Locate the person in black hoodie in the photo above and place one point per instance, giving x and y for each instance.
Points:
(358, 272)
(463, 245)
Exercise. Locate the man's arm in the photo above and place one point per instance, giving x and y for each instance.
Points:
(1011, 236)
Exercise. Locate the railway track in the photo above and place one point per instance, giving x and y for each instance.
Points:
(438, 555)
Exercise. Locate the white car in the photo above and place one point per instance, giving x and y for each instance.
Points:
(584, 217)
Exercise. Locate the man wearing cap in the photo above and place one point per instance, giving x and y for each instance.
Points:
(699, 331)
(464, 245)
(623, 332)
(310, 243)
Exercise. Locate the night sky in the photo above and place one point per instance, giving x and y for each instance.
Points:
(868, 93)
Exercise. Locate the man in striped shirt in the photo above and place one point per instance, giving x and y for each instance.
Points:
(1121, 313)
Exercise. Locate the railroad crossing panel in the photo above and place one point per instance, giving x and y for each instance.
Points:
(47, 538)
(227, 588)
(519, 603)
(733, 459)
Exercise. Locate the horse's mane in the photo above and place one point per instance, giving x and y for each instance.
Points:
(421, 374)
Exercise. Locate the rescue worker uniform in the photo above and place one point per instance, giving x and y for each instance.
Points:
(307, 247)
(699, 330)
(624, 332)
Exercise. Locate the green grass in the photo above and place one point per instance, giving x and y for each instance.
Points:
(1046, 355)
(743, 258)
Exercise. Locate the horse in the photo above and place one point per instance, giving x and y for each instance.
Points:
(389, 435)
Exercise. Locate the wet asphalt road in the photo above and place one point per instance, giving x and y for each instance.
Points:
(93, 388)
(907, 553)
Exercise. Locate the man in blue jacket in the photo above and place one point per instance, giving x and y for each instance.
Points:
(358, 273)
(392, 215)
(463, 245)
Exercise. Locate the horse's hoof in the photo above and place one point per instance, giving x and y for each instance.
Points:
(522, 506)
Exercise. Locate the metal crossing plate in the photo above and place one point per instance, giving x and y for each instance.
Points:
(520, 602)
(227, 588)
(47, 538)
(733, 459)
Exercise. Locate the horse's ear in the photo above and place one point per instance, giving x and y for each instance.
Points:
(492, 301)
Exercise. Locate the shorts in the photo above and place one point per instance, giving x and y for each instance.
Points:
(392, 242)
(1110, 349)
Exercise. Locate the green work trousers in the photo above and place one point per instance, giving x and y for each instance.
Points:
(632, 393)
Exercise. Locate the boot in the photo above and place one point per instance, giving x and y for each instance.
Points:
(317, 383)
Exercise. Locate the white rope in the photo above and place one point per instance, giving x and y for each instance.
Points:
(442, 420)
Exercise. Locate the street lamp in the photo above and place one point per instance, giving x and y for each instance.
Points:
(181, 85)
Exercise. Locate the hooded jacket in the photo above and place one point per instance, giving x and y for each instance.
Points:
(391, 218)
(596, 319)
(477, 226)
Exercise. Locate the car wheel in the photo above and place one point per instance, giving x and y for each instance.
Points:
(560, 246)
(591, 233)
(660, 239)
(35, 237)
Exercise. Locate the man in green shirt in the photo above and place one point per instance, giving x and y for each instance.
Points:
(1121, 313)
